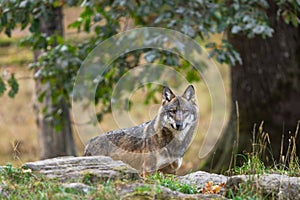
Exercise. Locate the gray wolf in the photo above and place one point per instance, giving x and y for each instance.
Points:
(158, 144)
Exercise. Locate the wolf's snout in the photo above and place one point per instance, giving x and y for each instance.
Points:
(179, 126)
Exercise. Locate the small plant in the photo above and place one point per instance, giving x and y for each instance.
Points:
(171, 182)
(254, 162)
(244, 191)
(294, 168)
(146, 189)
(105, 192)
(18, 182)
(252, 165)
(87, 178)
(143, 188)
(16, 175)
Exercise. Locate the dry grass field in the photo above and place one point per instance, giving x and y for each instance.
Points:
(18, 131)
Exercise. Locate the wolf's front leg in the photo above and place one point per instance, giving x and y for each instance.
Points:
(172, 168)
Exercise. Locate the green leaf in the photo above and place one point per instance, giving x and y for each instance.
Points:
(8, 32)
(2, 87)
(76, 24)
(35, 26)
(192, 75)
(42, 96)
(14, 86)
(86, 27)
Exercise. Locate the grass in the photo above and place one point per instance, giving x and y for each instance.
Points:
(17, 183)
(262, 152)
(171, 182)
(245, 191)
(254, 165)
(22, 184)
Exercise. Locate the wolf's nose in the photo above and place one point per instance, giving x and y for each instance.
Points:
(179, 125)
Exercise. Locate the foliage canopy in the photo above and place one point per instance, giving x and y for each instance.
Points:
(198, 19)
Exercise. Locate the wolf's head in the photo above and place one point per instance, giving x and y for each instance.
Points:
(178, 112)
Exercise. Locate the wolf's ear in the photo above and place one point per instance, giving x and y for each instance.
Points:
(167, 94)
(189, 93)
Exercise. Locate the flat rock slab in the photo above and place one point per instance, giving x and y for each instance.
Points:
(90, 168)
(200, 178)
(101, 168)
(272, 185)
(275, 186)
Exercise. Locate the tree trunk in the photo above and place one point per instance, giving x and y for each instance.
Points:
(266, 88)
(52, 143)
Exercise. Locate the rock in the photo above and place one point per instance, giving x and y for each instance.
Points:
(78, 169)
(80, 187)
(199, 178)
(146, 191)
(271, 185)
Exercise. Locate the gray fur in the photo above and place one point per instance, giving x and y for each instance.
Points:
(155, 145)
